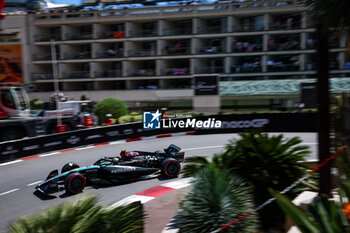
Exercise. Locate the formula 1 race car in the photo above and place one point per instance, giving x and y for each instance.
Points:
(130, 166)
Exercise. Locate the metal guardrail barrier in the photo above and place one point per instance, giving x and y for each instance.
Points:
(278, 122)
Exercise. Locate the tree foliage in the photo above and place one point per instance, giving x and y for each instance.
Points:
(324, 216)
(273, 161)
(216, 199)
(110, 106)
(264, 161)
(83, 216)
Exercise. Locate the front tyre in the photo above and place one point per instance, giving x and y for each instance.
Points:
(74, 183)
(170, 168)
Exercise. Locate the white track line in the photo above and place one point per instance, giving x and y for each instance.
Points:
(202, 148)
(85, 148)
(49, 154)
(179, 134)
(34, 183)
(149, 137)
(10, 191)
(7, 163)
(117, 142)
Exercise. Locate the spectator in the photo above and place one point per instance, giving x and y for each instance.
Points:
(212, 49)
(167, 50)
(289, 23)
(111, 52)
(310, 43)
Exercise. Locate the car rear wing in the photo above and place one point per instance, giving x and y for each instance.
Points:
(180, 156)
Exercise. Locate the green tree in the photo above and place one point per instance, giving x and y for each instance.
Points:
(324, 216)
(264, 161)
(110, 106)
(217, 198)
(83, 216)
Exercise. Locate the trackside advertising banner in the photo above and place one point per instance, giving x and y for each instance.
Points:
(155, 122)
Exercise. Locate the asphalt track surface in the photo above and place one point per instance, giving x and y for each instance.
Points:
(17, 181)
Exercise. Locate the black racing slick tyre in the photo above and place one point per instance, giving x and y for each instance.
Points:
(170, 168)
(74, 183)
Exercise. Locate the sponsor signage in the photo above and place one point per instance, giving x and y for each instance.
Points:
(11, 62)
(151, 120)
(283, 122)
(309, 94)
(206, 85)
(73, 140)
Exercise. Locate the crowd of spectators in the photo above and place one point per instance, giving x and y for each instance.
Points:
(283, 45)
(290, 64)
(246, 46)
(180, 47)
(176, 71)
(246, 67)
(143, 72)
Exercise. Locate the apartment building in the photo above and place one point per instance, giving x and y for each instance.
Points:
(148, 56)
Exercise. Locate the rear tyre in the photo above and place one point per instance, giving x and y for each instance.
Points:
(74, 183)
(170, 168)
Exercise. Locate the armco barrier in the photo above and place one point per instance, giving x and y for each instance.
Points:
(281, 122)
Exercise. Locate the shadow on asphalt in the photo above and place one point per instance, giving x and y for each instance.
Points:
(42, 196)
(174, 222)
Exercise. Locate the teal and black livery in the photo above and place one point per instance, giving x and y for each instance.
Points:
(114, 170)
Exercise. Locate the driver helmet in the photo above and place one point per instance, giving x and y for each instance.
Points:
(72, 166)
(122, 153)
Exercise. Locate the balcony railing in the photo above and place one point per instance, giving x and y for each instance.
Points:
(78, 56)
(285, 26)
(111, 35)
(280, 67)
(210, 70)
(246, 68)
(142, 53)
(177, 31)
(144, 33)
(109, 73)
(210, 30)
(177, 71)
(79, 37)
(45, 38)
(107, 54)
(142, 72)
(248, 28)
(290, 45)
(77, 74)
(41, 76)
(176, 50)
(245, 47)
(44, 57)
(212, 49)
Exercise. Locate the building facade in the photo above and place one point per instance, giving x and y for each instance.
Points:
(149, 56)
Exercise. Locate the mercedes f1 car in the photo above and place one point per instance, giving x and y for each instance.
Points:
(129, 166)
